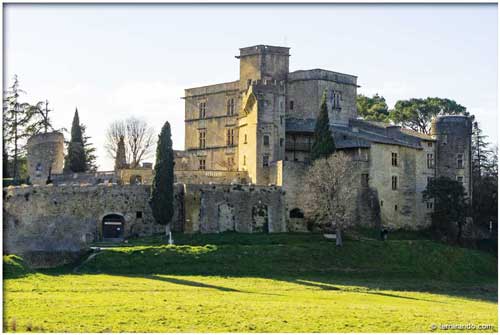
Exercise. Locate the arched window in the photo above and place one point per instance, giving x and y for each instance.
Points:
(296, 213)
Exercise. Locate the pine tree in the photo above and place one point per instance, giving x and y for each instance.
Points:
(76, 161)
(323, 143)
(162, 190)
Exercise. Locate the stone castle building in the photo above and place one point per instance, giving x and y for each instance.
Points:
(258, 129)
(247, 148)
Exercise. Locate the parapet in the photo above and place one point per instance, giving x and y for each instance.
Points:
(263, 49)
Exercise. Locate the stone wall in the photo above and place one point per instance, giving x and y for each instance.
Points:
(48, 219)
(246, 209)
(207, 177)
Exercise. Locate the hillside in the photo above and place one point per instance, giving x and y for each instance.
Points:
(257, 283)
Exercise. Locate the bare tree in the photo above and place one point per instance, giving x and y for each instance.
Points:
(139, 140)
(116, 130)
(138, 137)
(333, 185)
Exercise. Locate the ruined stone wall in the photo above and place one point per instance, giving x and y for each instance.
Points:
(68, 218)
(246, 209)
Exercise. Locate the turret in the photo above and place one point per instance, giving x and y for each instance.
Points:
(45, 156)
(454, 148)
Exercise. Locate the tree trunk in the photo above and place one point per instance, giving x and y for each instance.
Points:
(338, 236)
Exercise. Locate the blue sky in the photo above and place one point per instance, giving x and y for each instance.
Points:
(115, 61)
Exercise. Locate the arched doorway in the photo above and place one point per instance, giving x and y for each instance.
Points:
(113, 227)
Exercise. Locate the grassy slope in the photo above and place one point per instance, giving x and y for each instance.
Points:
(260, 283)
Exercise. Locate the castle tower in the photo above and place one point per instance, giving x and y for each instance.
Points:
(261, 140)
(454, 148)
(45, 156)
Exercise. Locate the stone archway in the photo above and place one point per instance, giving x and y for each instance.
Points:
(260, 219)
(113, 227)
(225, 217)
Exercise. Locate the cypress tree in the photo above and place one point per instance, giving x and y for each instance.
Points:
(162, 190)
(121, 156)
(323, 144)
(76, 160)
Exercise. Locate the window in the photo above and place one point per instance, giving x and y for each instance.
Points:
(429, 205)
(460, 161)
(395, 207)
(444, 138)
(394, 182)
(230, 106)
(460, 179)
(430, 161)
(429, 144)
(364, 179)
(202, 165)
(229, 136)
(296, 213)
(282, 140)
(266, 140)
(394, 159)
(138, 215)
(244, 160)
(291, 104)
(202, 109)
(265, 160)
(281, 119)
(202, 139)
(429, 179)
(381, 203)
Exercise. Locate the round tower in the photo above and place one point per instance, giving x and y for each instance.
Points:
(45, 154)
(453, 135)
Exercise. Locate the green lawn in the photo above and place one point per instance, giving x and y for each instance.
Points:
(257, 283)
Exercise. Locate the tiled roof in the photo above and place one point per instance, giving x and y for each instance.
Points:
(360, 133)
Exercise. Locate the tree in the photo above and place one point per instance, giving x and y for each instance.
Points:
(76, 160)
(41, 120)
(121, 155)
(138, 137)
(450, 207)
(372, 109)
(323, 143)
(417, 114)
(90, 150)
(484, 180)
(332, 191)
(162, 190)
(16, 119)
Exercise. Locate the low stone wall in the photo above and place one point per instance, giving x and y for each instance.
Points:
(210, 176)
(50, 219)
(246, 209)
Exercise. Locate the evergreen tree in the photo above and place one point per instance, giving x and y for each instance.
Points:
(76, 161)
(89, 149)
(121, 154)
(16, 120)
(450, 207)
(162, 190)
(323, 143)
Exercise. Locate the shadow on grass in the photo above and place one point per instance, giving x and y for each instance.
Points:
(307, 260)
